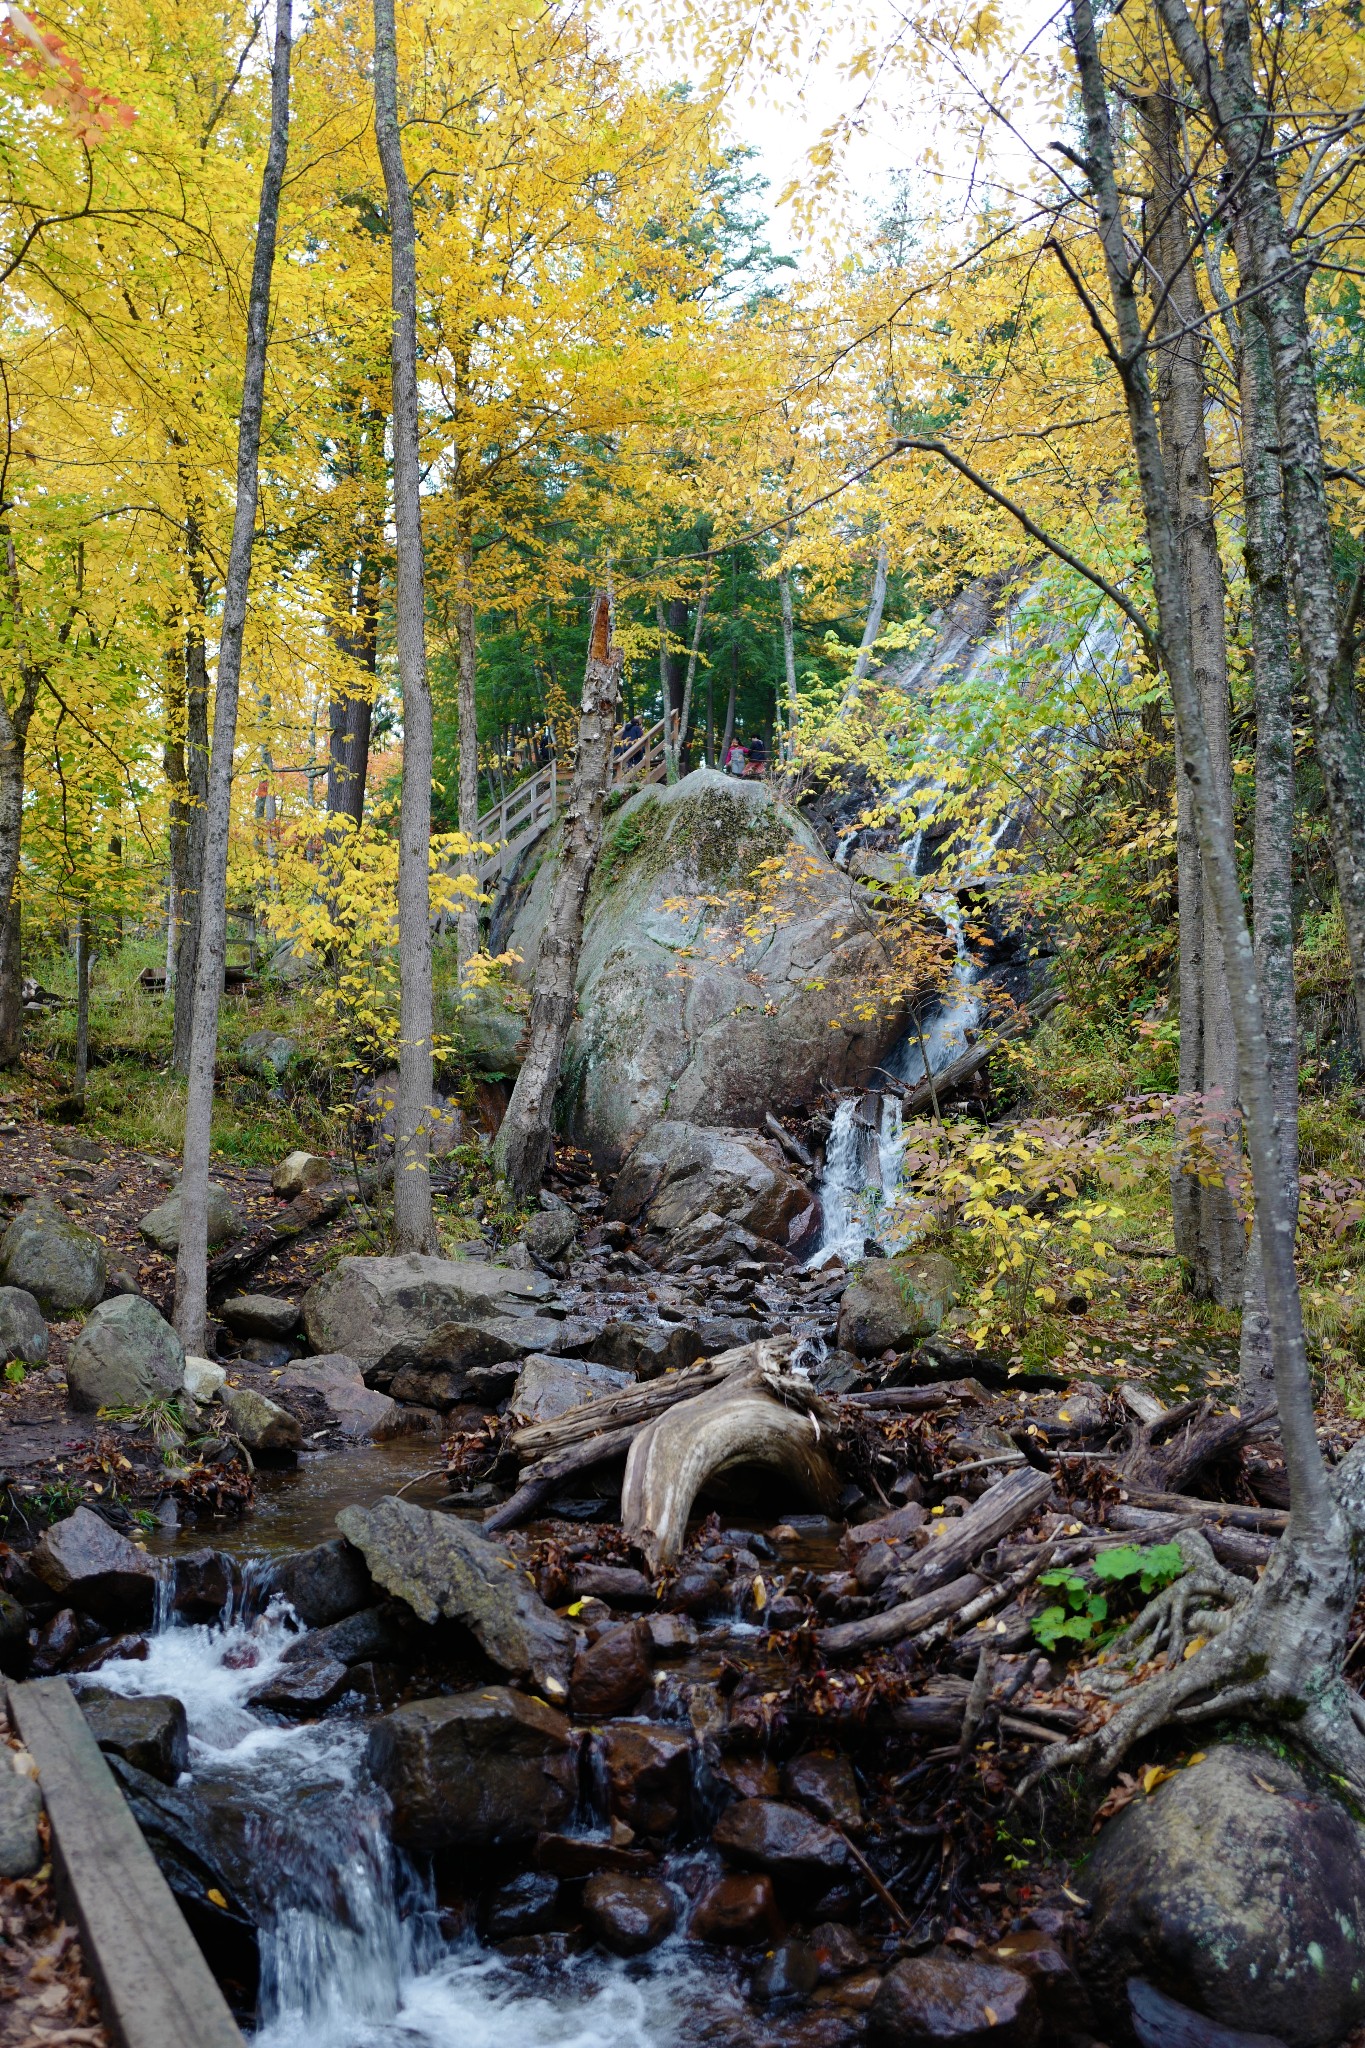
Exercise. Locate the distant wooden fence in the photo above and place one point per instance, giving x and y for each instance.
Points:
(532, 807)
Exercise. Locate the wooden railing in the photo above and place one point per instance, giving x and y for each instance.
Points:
(532, 807)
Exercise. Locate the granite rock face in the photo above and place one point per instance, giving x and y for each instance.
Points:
(373, 1309)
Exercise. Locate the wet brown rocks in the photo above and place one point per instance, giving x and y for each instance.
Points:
(489, 1768)
(938, 1998)
(629, 1914)
(647, 1774)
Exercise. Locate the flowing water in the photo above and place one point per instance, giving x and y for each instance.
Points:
(353, 1953)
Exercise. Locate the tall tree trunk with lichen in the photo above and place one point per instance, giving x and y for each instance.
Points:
(1209, 1232)
(467, 629)
(191, 1279)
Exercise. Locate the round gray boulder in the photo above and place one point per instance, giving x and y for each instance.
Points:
(1237, 1888)
(125, 1356)
(267, 1056)
(161, 1226)
(53, 1259)
(23, 1333)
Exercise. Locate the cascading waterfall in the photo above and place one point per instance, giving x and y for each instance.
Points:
(352, 1953)
(861, 1173)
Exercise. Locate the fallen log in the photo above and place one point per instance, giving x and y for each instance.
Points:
(1234, 1514)
(757, 1419)
(907, 1400)
(878, 1631)
(1159, 1461)
(634, 1406)
(309, 1211)
(539, 1481)
(953, 1546)
(927, 1094)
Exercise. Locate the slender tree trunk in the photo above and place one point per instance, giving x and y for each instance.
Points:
(1272, 887)
(11, 973)
(670, 729)
(1230, 93)
(710, 718)
(730, 703)
(1210, 1232)
(784, 585)
(1314, 1518)
(467, 922)
(349, 712)
(876, 606)
(194, 817)
(522, 1146)
(191, 1279)
(82, 1009)
(685, 716)
(13, 746)
(413, 1224)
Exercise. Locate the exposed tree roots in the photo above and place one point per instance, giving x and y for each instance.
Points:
(1271, 1652)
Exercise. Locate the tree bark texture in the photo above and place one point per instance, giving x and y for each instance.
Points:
(689, 681)
(82, 1066)
(875, 607)
(1279, 282)
(191, 1278)
(1272, 889)
(784, 588)
(467, 918)
(413, 1224)
(522, 1146)
(1210, 1233)
(1312, 1515)
(191, 800)
(15, 719)
(355, 635)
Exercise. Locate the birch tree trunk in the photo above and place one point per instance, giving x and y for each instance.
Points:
(1232, 98)
(693, 653)
(876, 606)
(784, 586)
(1272, 893)
(14, 725)
(82, 1066)
(522, 1146)
(413, 1225)
(1209, 1232)
(191, 1278)
(467, 919)
(193, 800)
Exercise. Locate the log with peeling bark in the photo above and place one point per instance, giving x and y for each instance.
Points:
(634, 1406)
(755, 1417)
(955, 1546)
(539, 1481)
(312, 1210)
(879, 1631)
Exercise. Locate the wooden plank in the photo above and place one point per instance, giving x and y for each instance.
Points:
(154, 1985)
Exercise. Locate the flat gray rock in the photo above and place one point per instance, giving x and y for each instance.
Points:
(370, 1308)
(21, 1803)
(439, 1565)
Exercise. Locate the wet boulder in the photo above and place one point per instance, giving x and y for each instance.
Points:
(363, 1414)
(647, 1774)
(629, 1914)
(825, 1784)
(202, 1583)
(527, 1904)
(260, 1315)
(50, 1257)
(491, 1768)
(610, 1675)
(23, 1332)
(548, 1387)
(126, 1356)
(680, 1173)
(204, 1381)
(737, 1911)
(1238, 1888)
(373, 1308)
(747, 1028)
(324, 1584)
(261, 1424)
(161, 1225)
(150, 1731)
(786, 1842)
(305, 1685)
(646, 1351)
(891, 1303)
(92, 1567)
(936, 1997)
(439, 1565)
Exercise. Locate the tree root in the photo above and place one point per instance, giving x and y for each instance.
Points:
(1271, 1652)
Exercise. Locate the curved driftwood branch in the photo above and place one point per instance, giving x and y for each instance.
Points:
(735, 1424)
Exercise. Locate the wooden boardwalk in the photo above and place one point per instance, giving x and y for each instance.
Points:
(155, 1988)
(532, 807)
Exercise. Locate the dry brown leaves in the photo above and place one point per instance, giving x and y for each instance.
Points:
(46, 1998)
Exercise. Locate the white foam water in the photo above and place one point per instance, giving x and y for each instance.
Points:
(352, 1955)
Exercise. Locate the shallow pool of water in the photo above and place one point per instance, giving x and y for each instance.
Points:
(295, 1509)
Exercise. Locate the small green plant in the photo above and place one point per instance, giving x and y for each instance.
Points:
(164, 1420)
(1015, 1849)
(1080, 1613)
(15, 1373)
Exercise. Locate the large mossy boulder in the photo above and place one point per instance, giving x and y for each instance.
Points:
(53, 1259)
(23, 1332)
(728, 966)
(371, 1308)
(126, 1356)
(891, 1303)
(1237, 1888)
